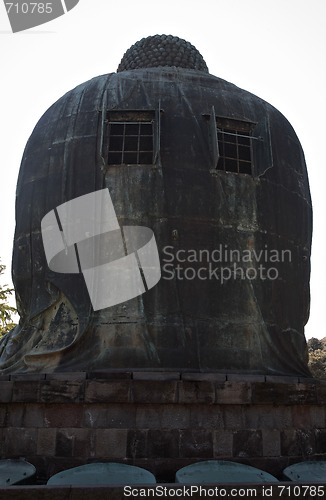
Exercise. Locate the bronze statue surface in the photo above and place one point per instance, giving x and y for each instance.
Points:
(220, 180)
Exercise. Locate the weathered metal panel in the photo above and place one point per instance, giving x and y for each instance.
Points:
(241, 325)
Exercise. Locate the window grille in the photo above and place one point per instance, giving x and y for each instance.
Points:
(131, 138)
(239, 146)
(234, 145)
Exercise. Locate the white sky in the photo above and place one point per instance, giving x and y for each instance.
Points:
(272, 48)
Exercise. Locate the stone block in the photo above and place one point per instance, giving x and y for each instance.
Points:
(298, 442)
(156, 375)
(196, 443)
(25, 415)
(114, 415)
(77, 443)
(206, 416)
(321, 393)
(318, 416)
(304, 394)
(281, 416)
(282, 379)
(33, 415)
(107, 391)
(71, 376)
(271, 442)
(223, 443)
(154, 391)
(301, 417)
(109, 375)
(137, 444)
(63, 415)
(121, 416)
(64, 446)
(247, 443)
(19, 442)
(263, 393)
(267, 417)
(27, 377)
(149, 416)
(25, 391)
(290, 445)
(111, 443)
(233, 393)
(3, 415)
(257, 417)
(208, 377)
(308, 380)
(95, 416)
(3, 451)
(233, 416)
(6, 389)
(61, 391)
(163, 443)
(320, 439)
(84, 443)
(239, 377)
(46, 442)
(175, 416)
(15, 415)
(283, 394)
(202, 391)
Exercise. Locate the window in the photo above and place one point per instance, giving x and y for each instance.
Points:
(234, 145)
(131, 138)
(239, 146)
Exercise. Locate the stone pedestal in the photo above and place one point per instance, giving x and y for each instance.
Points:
(161, 421)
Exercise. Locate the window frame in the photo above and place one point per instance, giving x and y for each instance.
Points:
(130, 141)
(261, 158)
(128, 118)
(234, 142)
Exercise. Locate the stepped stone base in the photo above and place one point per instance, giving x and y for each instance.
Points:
(161, 421)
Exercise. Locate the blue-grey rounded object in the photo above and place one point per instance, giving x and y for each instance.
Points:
(307, 471)
(222, 471)
(103, 473)
(16, 471)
